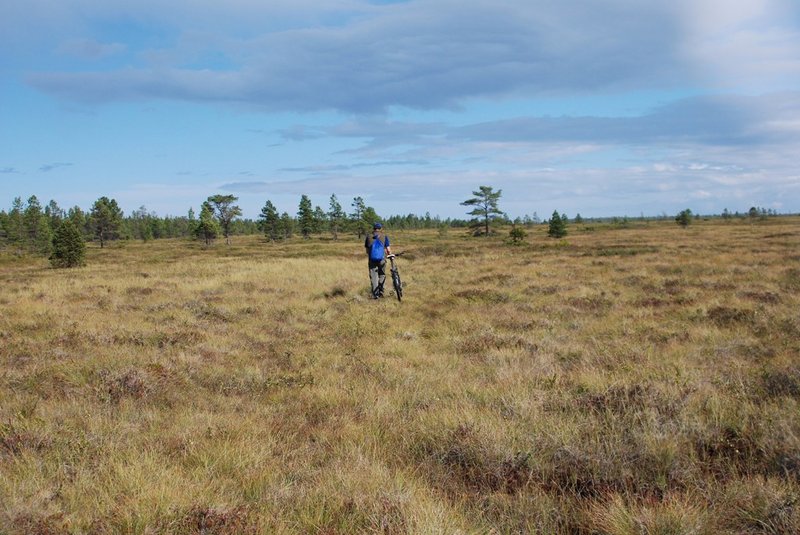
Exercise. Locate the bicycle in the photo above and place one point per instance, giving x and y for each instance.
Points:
(396, 282)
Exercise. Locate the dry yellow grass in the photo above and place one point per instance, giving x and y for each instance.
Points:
(639, 380)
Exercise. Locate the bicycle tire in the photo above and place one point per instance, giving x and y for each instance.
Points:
(398, 285)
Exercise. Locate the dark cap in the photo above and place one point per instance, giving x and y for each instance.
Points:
(377, 226)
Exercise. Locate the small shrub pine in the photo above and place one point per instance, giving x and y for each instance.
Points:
(69, 249)
(684, 218)
(517, 235)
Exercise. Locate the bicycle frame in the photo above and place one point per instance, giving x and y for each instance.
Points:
(396, 282)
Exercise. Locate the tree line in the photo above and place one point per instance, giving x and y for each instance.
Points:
(29, 226)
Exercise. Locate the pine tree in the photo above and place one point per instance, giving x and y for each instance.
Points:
(37, 235)
(370, 217)
(287, 225)
(320, 219)
(684, 218)
(360, 226)
(3, 225)
(54, 215)
(557, 228)
(271, 222)
(336, 217)
(141, 224)
(69, 248)
(15, 228)
(305, 216)
(517, 234)
(78, 218)
(207, 227)
(105, 220)
(226, 212)
(485, 211)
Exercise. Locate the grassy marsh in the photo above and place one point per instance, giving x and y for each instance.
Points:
(636, 380)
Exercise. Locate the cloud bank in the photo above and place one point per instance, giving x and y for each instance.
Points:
(432, 56)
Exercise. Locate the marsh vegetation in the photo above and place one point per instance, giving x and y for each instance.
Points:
(622, 380)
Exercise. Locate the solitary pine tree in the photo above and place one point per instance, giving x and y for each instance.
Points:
(226, 212)
(558, 227)
(485, 209)
(271, 222)
(69, 249)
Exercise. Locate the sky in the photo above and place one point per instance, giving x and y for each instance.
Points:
(591, 107)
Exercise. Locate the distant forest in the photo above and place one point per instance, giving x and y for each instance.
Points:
(28, 226)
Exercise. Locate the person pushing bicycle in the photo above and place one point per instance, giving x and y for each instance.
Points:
(377, 246)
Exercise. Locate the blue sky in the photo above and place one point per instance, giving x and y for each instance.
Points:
(612, 107)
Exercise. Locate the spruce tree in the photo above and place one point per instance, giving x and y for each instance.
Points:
(69, 249)
(558, 227)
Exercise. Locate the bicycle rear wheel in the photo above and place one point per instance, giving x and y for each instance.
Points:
(398, 285)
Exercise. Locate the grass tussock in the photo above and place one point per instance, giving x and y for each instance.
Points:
(628, 380)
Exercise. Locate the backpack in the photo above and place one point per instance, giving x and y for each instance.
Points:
(375, 248)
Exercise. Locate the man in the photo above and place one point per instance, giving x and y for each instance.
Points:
(377, 246)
